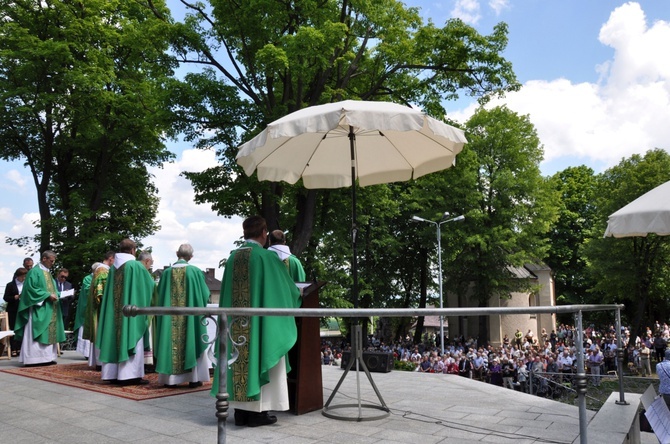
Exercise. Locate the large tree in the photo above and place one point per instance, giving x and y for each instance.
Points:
(82, 93)
(633, 271)
(576, 216)
(261, 60)
(509, 207)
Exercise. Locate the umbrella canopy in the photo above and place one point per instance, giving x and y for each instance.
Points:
(393, 143)
(649, 213)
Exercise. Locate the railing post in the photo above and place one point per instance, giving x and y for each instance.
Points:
(580, 381)
(222, 369)
(619, 358)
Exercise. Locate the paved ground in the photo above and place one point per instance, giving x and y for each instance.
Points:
(425, 409)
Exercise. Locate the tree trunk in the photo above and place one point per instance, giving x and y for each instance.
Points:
(42, 186)
(304, 224)
(45, 218)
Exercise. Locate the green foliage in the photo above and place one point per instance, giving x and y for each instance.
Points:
(404, 366)
(263, 59)
(83, 93)
(576, 215)
(633, 271)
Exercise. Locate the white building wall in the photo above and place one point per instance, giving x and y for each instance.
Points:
(500, 325)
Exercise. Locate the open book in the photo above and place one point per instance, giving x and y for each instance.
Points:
(66, 293)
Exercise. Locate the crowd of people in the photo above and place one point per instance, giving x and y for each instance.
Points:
(547, 357)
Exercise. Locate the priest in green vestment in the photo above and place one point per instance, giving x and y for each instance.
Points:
(39, 322)
(293, 265)
(83, 345)
(92, 314)
(179, 352)
(255, 277)
(120, 338)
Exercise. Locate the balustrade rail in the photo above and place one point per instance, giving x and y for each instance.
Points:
(223, 335)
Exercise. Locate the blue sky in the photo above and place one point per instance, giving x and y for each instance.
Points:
(596, 84)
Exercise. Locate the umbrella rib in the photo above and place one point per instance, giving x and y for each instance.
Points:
(311, 156)
(425, 136)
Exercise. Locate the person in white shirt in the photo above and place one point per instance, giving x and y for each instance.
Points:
(565, 363)
(595, 361)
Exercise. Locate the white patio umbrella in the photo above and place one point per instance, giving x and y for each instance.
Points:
(333, 145)
(391, 143)
(649, 213)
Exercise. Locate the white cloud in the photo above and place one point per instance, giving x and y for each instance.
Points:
(498, 5)
(17, 178)
(11, 257)
(467, 10)
(626, 112)
(6, 215)
(212, 241)
(16, 182)
(639, 50)
(25, 225)
(182, 220)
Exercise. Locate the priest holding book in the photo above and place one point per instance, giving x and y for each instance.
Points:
(39, 323)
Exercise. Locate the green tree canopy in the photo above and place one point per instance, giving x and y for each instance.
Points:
(509, 207)
(576, 216)
(264, 59)
(83, 104)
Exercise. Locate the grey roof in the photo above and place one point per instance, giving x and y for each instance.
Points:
(213, 284)
(521, 272)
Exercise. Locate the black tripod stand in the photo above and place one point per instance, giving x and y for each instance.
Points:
(357, 360)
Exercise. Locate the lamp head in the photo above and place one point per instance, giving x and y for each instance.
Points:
(418, 219)
(453, 219)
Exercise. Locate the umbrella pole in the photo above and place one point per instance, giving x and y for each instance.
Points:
(356, 356)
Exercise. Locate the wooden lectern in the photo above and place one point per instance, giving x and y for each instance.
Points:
(305, 387)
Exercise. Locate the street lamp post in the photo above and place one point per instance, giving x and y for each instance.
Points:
(438, 224)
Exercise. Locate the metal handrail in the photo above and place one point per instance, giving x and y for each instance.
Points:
(133, 310)
(222, 333)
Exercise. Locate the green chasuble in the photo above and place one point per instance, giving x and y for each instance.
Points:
(47, 318)
(295, 269)
(94, 295)
(179, 338)
(255, 277)
(130, 284)
(82, 301)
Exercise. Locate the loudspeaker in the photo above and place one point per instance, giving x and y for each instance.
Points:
(381, 362)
